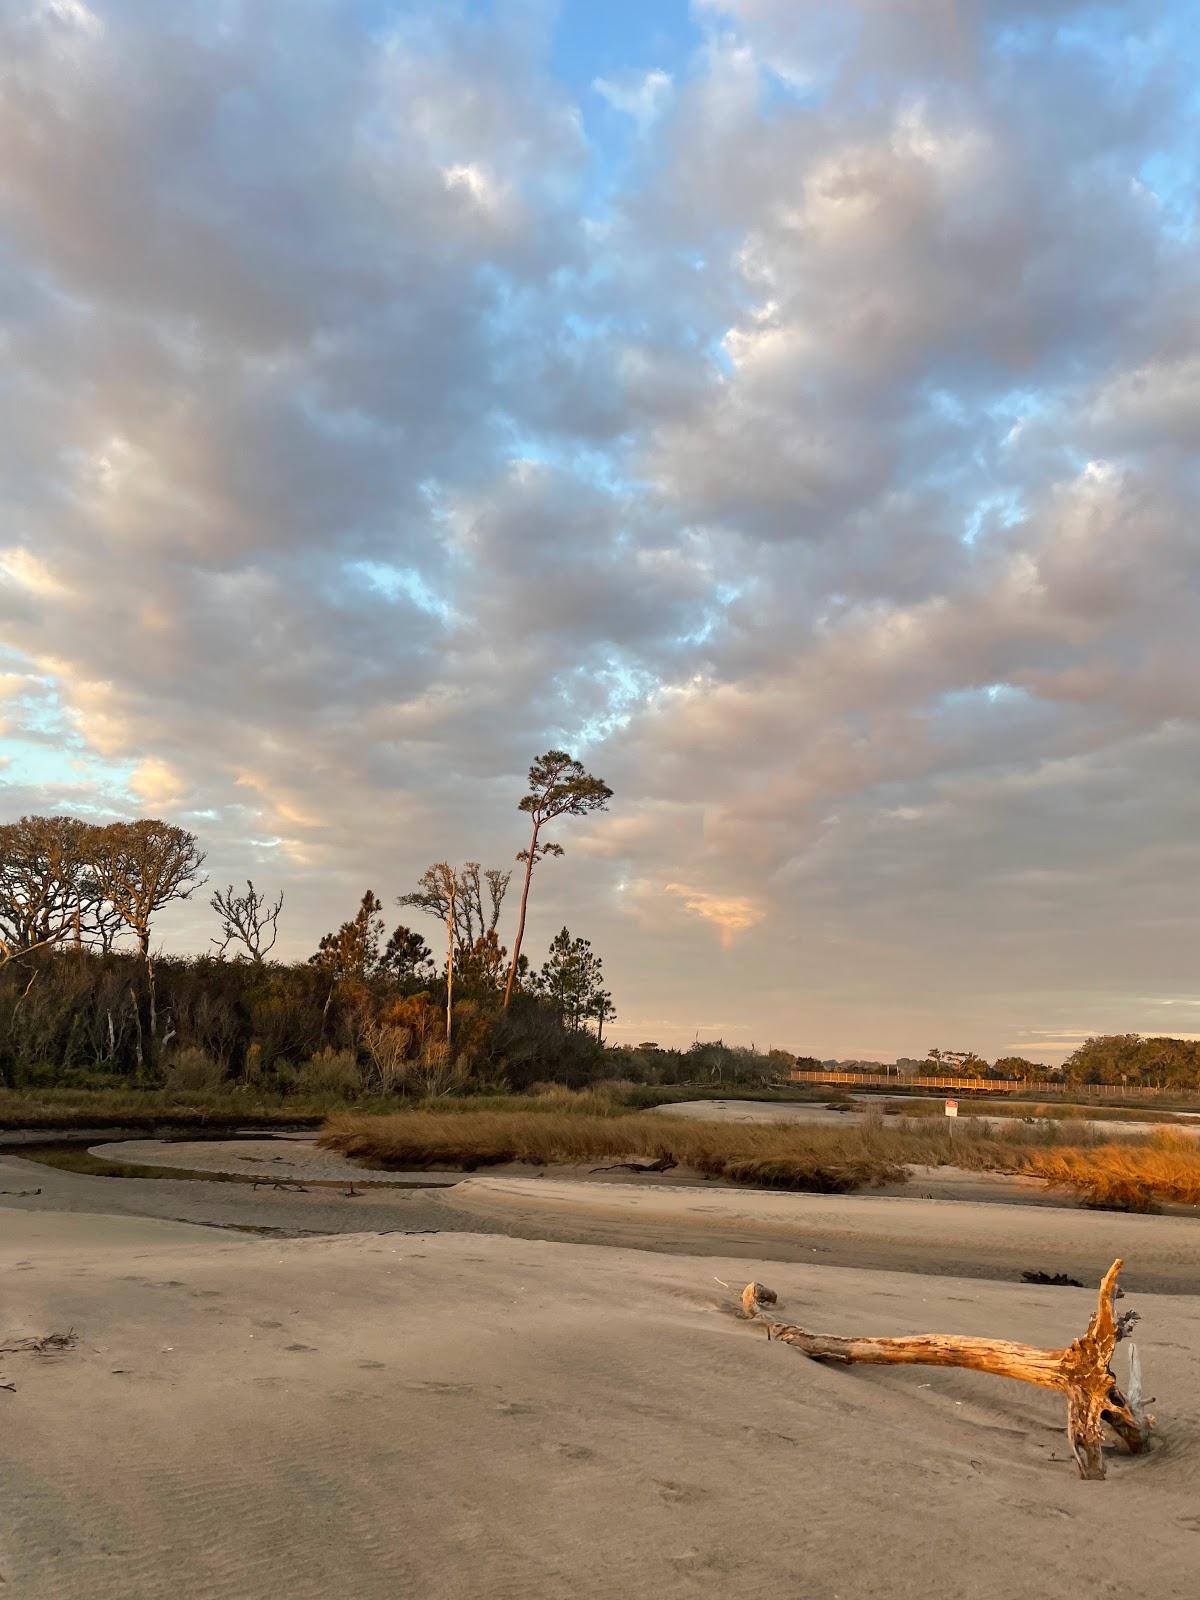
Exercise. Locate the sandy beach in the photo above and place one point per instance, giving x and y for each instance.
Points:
(541, 1391)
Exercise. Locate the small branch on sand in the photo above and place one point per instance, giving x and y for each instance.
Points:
(21, 1194)
(663, 1164)
(280, 1183)
(11, 1387)
(1080, 1370)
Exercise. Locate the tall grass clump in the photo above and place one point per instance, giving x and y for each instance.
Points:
(1125, 1177)
(818, 1160)
(558, 1127)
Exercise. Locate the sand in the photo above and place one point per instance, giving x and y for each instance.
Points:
(924, 1237)
(460, 1415)
(532, 1386)
(290, 1158)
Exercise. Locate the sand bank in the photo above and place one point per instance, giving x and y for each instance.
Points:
(463, 1415)
(289, 1158)
(889, 1232)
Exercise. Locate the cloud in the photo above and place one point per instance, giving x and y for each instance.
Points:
(643, 96)
(157, 784)
(818, 466)
(23, 568)
(729, 914)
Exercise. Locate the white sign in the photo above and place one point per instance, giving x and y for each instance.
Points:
(951, 1108)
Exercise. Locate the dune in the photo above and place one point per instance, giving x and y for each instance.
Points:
(451, 1415)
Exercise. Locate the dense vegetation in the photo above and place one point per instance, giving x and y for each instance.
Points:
(87, 1002)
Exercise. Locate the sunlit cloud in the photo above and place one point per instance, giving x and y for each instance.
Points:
(731, 915)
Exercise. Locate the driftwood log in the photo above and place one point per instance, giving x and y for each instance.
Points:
(1080, 1370)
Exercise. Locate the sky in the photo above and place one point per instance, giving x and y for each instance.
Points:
(792, 410)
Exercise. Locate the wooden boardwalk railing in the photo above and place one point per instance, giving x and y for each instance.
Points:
(993, 1086)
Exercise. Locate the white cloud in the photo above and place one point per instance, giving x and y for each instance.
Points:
(643, 96)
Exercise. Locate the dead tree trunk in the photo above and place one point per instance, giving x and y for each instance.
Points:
(1080, 1370)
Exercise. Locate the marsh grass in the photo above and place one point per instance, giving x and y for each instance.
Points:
(564, 1128)
(321, 1087)
(1126, 1176)
(159, 1108)
(814, 1159)
(569, 1132)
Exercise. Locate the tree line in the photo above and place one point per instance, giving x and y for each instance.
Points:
(1132, 1060)
(83, 990)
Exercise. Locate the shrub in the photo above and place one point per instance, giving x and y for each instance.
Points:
(331, 1072)
(192, 1069)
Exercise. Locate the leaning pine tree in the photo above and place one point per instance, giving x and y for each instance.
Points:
(558, 787)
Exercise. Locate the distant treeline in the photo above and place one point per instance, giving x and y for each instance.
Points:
(1128, 1059)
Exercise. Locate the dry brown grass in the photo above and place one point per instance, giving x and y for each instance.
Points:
(573, 1130)
(821, 1160)
(1125, 1177)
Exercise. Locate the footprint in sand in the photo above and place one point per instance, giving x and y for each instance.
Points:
(679, 1493)
(575, 1452)
(308, 1349)
(267, 1323)
(514, 1408)
(373, 1366)
(1039, 1508)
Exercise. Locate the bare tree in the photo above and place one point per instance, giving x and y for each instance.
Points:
(558, 787)
(97, 924)
(440, 892)
(472, 919)
(45, 864)
(141, 867)
(247, 919)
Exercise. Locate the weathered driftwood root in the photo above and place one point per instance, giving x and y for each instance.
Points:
(1080, 1370)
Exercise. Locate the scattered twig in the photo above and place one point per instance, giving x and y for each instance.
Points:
(287, 1184)
(1079, 1370)
(21, 1194)
(11, 1387)
(663, 1164)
